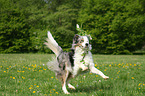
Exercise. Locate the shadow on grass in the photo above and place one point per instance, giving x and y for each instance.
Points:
(88, 89)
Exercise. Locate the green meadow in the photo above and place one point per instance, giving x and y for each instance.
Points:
(28, 75)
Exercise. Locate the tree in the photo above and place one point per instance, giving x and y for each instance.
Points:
(14, 31)
(62, 25)
(116, 26)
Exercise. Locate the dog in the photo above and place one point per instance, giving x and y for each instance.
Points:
(68, 65)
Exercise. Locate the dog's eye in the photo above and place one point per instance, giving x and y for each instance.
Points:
(81, 41)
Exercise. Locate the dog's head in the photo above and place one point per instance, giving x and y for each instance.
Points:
(82, 41)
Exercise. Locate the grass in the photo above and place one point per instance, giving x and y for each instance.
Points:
(25, 75)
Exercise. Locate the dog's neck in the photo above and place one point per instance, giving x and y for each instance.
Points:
(81, 51)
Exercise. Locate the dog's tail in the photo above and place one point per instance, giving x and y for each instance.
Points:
(52, 44)
(53, 64)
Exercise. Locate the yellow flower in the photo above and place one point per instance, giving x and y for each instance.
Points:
(34, 91)
(95, 65)
(11, 77)
(30, 87)
(109, 65)
(14, 78)
(37, 86)
(53, 89)
(44, 69)
(4, 71)
(23, 77)
(132, 77)
(56, 92)
(52, 77)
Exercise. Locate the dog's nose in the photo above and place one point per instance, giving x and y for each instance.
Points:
(87, 44)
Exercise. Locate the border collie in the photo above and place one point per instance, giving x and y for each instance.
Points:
(68, 65)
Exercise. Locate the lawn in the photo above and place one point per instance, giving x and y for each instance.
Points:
(27, 74)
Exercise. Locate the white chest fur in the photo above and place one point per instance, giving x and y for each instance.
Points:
(82, 61)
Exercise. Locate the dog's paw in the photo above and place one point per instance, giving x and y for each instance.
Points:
(85, 68)
(71, 87)
(67, 93)
(106, 77)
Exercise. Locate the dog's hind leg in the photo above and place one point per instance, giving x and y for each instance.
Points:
(65, 77)
(69, 85)
(96, 71)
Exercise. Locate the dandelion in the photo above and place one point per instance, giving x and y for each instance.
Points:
(132, 77)
(34, 91)
(56, 92)
(53, 89)
(14, 78)
(44, 69)
(40, 70)
(109, 65)
(30, 88)
(37, 86)
(52, 77)
(4, 71)
(23, 77)
(11, 77)
(95, 65)
(23, 71)
(139, 84)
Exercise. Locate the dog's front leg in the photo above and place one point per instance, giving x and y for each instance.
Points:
(65, 77)
(96, 71)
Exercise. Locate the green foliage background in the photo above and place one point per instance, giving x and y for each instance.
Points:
(116, 26)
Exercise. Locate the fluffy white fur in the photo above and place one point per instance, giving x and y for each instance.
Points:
(83, 60)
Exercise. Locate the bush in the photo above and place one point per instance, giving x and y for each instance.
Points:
(116, 26)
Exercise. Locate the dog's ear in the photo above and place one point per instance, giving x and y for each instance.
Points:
(75, 39)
